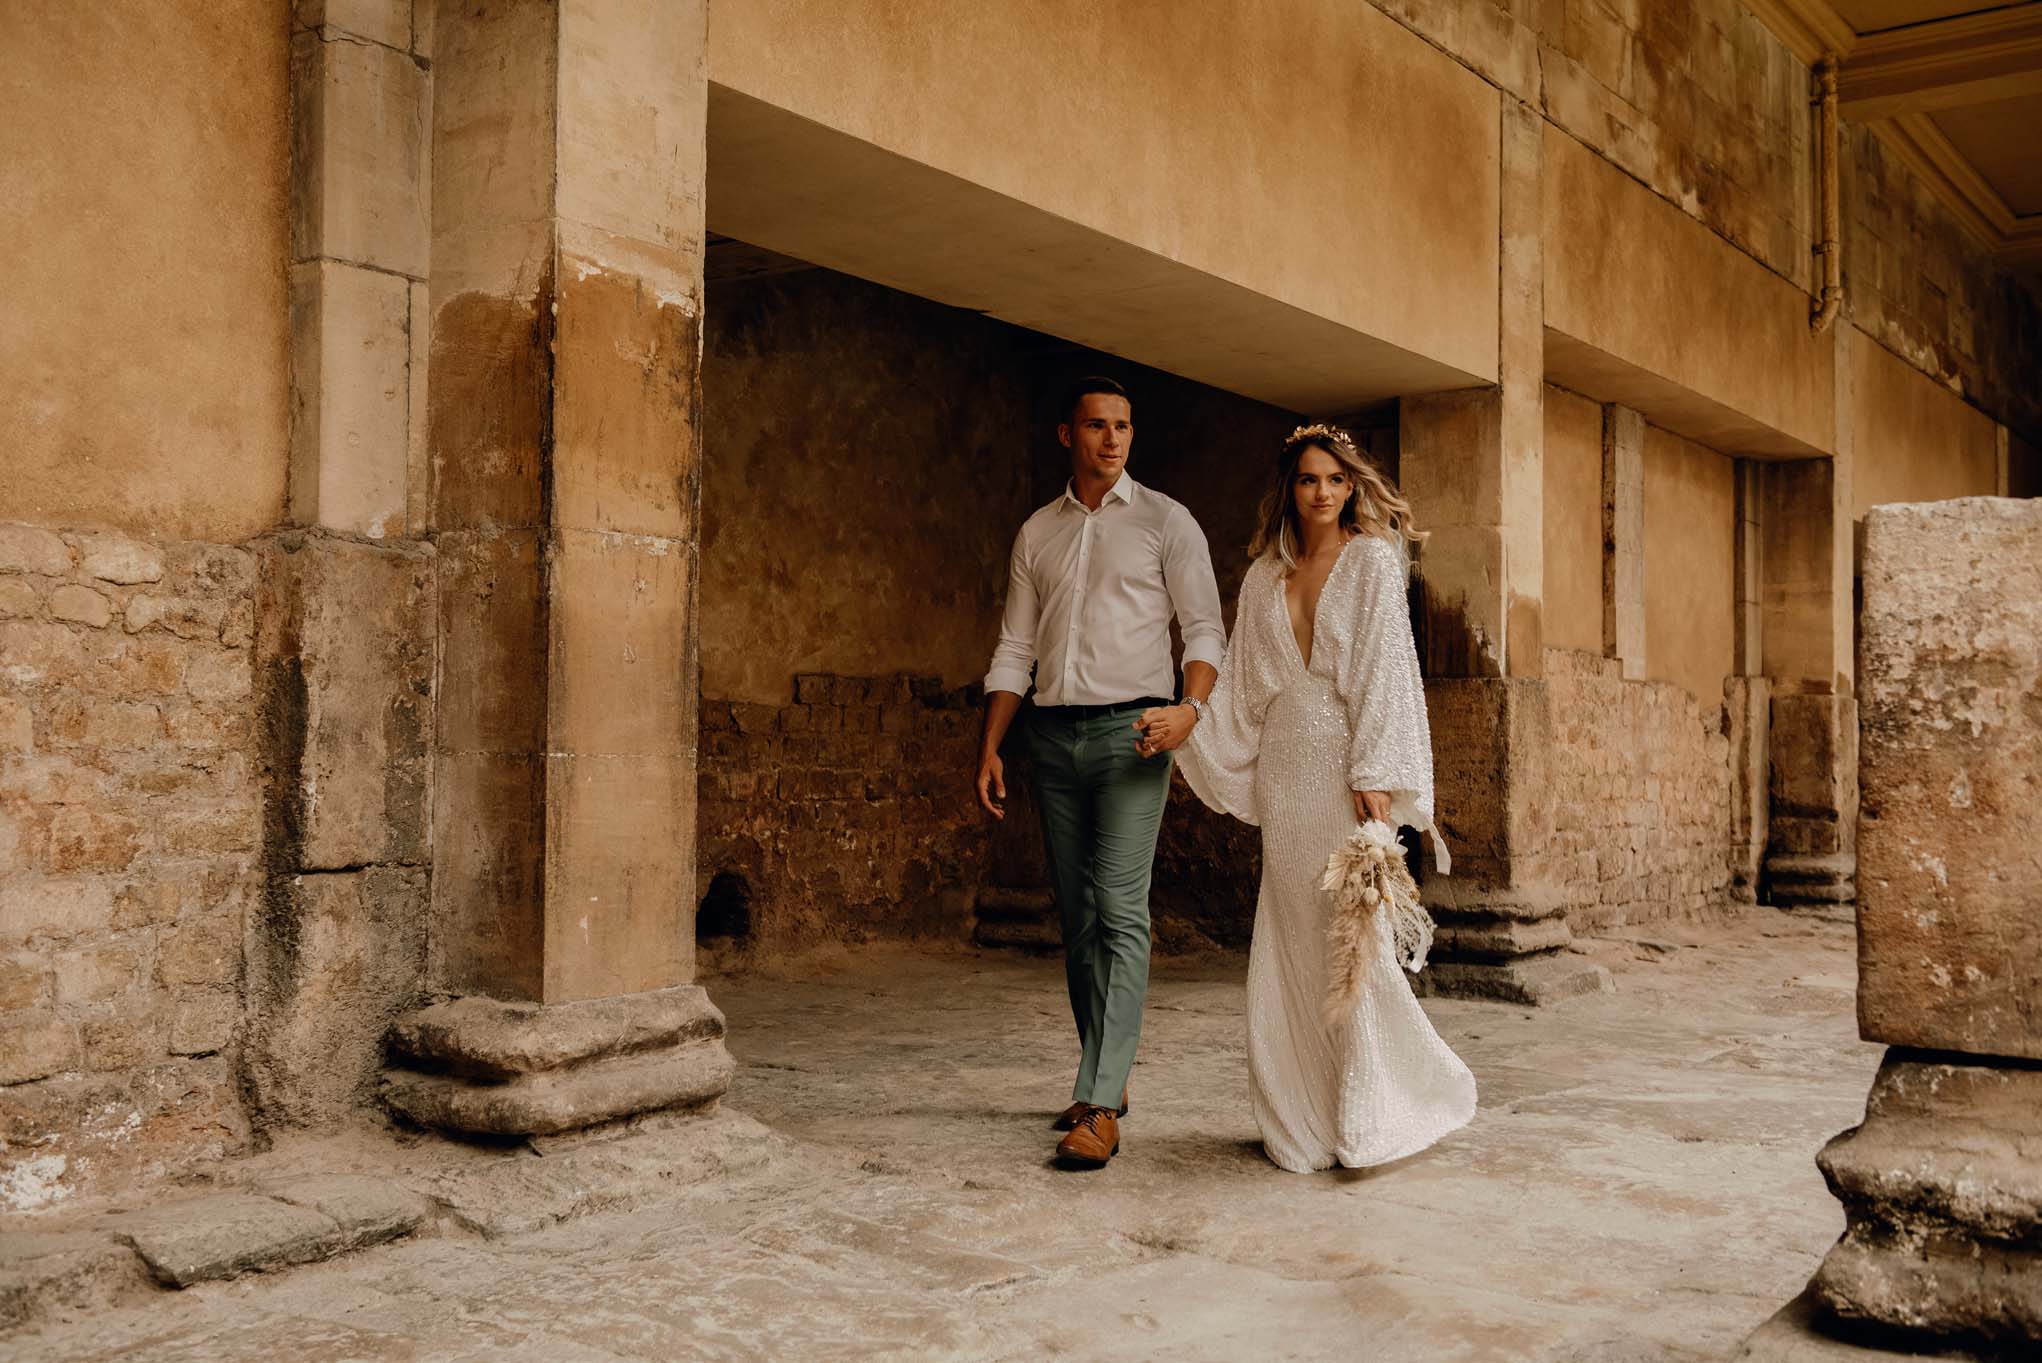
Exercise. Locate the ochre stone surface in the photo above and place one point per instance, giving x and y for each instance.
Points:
(1949, 910)
(129, 829)
(146, 327)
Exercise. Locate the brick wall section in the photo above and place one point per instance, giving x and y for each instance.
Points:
(129, 824)
(847, 812)
(1642, 792)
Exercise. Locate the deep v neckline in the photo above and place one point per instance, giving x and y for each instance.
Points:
(1297, 650)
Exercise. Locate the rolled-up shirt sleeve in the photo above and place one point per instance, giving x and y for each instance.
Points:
(1014, 656)
(1194, 595)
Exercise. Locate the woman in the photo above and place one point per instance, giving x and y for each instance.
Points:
(1317, 724)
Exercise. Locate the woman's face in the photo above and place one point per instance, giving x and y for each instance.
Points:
(1321, 488)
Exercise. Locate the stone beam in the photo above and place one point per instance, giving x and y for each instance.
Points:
(565, 413)
(1947, 63)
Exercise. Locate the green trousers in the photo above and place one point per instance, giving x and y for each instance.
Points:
(1102, 805)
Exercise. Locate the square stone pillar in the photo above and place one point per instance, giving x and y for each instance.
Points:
(1942, 1182)
(1623, 539)
(1472, 463)
(1806, 626)
(564, 425)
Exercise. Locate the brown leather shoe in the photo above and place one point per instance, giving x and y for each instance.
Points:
(1068, 1118)
(1093, 1141)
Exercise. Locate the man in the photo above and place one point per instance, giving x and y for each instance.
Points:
(1096, 576)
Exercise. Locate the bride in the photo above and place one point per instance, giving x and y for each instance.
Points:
(1318, 724)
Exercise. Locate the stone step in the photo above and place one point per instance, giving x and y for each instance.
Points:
(212, 1238)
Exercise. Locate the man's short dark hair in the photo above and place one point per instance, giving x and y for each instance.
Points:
(1082, 388)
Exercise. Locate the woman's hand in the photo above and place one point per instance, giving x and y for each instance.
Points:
(1162, 728)
(1372, 805)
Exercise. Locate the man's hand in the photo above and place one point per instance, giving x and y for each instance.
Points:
(992, 784)
(1372, 805)
(1163, 728)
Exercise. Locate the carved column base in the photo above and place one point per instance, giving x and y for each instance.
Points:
(480, 1066)
(1942, 1192)
(1798, 881)
(1511, 960)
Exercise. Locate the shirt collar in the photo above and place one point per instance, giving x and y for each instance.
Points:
(1123, 490)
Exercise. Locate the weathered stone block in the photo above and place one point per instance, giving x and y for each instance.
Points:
(384, 21)
(332, 961)
(204, 950)
(361, 157)
(1950, 666)
(26, 549)
(617, 611)
(619, 872)
(346, 658)
(18, 598)
(81, 605)
(45, 1273)
(210, 1239)
(93, 973)
(351, 398)
(368, 1211)
(118, 559)
(1942, 1190)
(35, 1046)
(491, 1039)
(568, 1099)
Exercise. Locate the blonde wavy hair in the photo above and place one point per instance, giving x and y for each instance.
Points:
(1375, 507)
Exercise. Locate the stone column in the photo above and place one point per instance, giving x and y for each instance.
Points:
(565, 411)
(1942, 1182)
(1472, 463)
(1747, 699)
(1806, 624)
(1623, 539)
(344, 608)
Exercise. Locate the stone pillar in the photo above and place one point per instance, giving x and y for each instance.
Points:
(565, 411)
(345, 603)
(1806, 626)
(1942, 1182)
(1472, 463)
(1747, 699)
(1623, 539)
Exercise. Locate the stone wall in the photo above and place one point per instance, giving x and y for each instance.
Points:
(129, 834)
(843, 815)
(1642, 792)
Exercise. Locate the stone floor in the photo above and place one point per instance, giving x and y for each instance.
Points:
(1638, 1184)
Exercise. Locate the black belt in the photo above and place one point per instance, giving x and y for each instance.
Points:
(1094, 711)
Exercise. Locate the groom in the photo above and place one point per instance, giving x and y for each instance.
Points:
(1096, 576)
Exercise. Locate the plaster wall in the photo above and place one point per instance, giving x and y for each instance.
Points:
(1916, 441)
(1573, 522)
(143, 219)
(1690, 565)
(1313, 151)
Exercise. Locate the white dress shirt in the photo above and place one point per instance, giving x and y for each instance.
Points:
(1090, 597)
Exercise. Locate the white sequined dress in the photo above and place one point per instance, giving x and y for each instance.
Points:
(1281, 746)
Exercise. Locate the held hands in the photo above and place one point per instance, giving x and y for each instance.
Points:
(1371, 805)
(1163, 728)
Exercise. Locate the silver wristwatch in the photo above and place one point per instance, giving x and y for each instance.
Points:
(1197, 708)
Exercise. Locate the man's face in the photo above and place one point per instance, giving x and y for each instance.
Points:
(1099, 435)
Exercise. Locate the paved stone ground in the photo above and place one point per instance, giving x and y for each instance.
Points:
(1638, 1184)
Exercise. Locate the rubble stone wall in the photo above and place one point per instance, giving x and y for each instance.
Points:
(845, 814)
(130, 823)
(1642, 796)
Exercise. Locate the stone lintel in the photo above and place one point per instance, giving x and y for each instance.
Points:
(1942, 1192)
(553, 1101)
(1531, 980)
(491, 1039)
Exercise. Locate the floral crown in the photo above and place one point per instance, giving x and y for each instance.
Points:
(1318, 431)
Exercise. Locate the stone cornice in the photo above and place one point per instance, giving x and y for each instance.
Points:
(1970, 59)
(1811, 29)
(2015, 241)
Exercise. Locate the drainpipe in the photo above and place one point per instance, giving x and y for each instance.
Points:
(1830, 302)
